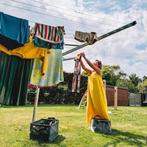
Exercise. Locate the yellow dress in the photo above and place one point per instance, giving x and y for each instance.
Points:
(96, 98)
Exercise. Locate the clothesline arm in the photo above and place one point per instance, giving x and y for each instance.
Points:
(101, 37)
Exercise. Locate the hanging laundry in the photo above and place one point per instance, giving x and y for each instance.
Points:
(49, 36)
(44, 44)
(76, 76)
(14, 32)
(90, 38)
(14, 78)
(9, 43)
(29, 51)
(54, 72)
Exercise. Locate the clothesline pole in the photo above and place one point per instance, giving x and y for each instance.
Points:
(77, 48)
(102, 37)
(35, 104)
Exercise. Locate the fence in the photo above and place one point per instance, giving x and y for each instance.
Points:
(135, 99)
(139, 99)
(117, 96)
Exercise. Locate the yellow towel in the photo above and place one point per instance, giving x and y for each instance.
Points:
(29, 51)
(96, 98)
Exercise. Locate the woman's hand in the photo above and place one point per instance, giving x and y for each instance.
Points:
(82, 54)
(78, 56)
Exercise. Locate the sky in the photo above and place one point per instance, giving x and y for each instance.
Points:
(128, 48)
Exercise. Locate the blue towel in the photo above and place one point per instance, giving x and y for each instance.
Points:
(44, 44)
(14, 28)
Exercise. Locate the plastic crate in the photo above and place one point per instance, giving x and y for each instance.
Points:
(44, 129)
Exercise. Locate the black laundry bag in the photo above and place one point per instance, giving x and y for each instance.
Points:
(101, 126)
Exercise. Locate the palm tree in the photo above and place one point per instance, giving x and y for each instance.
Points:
(134, 79)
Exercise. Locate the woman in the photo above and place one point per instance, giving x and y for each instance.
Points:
(96, 96)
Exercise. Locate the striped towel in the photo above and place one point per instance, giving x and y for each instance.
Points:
(50, 34)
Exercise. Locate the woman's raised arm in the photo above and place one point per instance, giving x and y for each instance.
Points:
(96, 68)
(85, 68)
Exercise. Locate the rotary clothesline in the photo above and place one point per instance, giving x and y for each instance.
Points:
(101, 37)
(77, 48)
(98, 39)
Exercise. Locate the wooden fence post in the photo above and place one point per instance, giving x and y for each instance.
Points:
(104, 81)
(115, 97)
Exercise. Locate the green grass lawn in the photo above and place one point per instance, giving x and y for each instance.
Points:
(129, 126)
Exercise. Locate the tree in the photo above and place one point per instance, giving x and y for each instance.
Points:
(142, 86)
(122, 75)
(128, 84)
(144, 78)
(145, 85)
(112, 73)
(134, 79)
